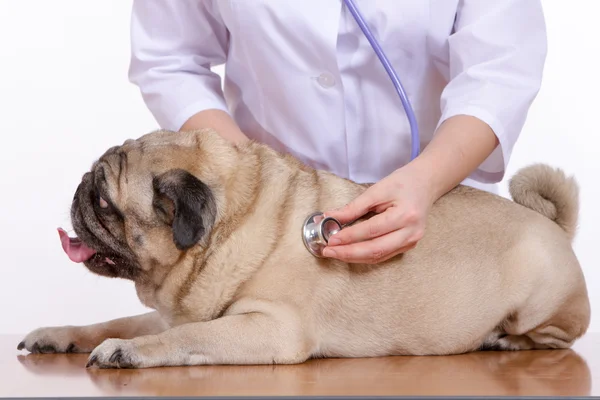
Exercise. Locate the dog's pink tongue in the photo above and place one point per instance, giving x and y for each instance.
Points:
(75, 248)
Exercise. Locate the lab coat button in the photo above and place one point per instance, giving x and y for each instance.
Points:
(326, 80)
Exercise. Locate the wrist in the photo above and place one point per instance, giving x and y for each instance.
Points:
(459, 146)
(426, 174)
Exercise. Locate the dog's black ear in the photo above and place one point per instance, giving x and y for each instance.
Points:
(186, 203)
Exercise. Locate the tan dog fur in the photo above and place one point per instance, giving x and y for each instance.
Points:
(489, 273)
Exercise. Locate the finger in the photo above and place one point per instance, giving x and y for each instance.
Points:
(381, 224)
(376, 250)
(355, 209)
(372, 260)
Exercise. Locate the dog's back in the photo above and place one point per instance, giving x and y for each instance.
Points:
(489, 273)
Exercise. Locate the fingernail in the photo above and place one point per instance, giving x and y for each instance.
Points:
(334, 241)
(328, 253)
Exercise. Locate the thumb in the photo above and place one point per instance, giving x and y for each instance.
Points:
(353, 210)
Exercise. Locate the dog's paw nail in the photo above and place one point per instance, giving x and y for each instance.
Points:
(91, 361)
(116, 357)
(21, 346)
(70, 348)
(48, 348)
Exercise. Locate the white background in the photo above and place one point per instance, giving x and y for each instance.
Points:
(65, 98)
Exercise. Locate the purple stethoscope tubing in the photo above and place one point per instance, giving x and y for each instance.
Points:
(414, 129)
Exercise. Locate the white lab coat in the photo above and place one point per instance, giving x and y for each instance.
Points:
(301, 76)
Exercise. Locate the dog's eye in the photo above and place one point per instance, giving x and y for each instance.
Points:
(102, 203)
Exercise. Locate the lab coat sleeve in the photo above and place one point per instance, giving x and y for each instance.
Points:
(496, 55)
(174, 43)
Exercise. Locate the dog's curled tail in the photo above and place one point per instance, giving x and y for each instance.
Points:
(549, 192)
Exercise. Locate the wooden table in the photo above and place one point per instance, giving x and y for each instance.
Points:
(532, 373)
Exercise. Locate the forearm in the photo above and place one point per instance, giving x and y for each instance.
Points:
(84, 338)
(459, 146)
(218, 120)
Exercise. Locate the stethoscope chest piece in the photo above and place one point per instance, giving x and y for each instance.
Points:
(316, 232)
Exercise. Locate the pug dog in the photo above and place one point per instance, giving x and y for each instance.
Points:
(210, 233)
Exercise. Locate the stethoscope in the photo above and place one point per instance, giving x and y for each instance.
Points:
(317, 229)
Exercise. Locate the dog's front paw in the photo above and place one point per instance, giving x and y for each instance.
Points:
(61, 339)
(115, 353)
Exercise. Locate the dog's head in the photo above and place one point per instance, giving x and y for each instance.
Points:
(145, 203)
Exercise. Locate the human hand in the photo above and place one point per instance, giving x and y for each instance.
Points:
(401, 202)
(218, 120)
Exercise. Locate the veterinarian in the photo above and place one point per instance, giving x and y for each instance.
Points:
(302, 78)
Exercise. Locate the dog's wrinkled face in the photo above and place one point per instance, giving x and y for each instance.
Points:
(141, 205)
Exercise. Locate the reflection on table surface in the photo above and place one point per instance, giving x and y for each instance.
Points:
(530, 373)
